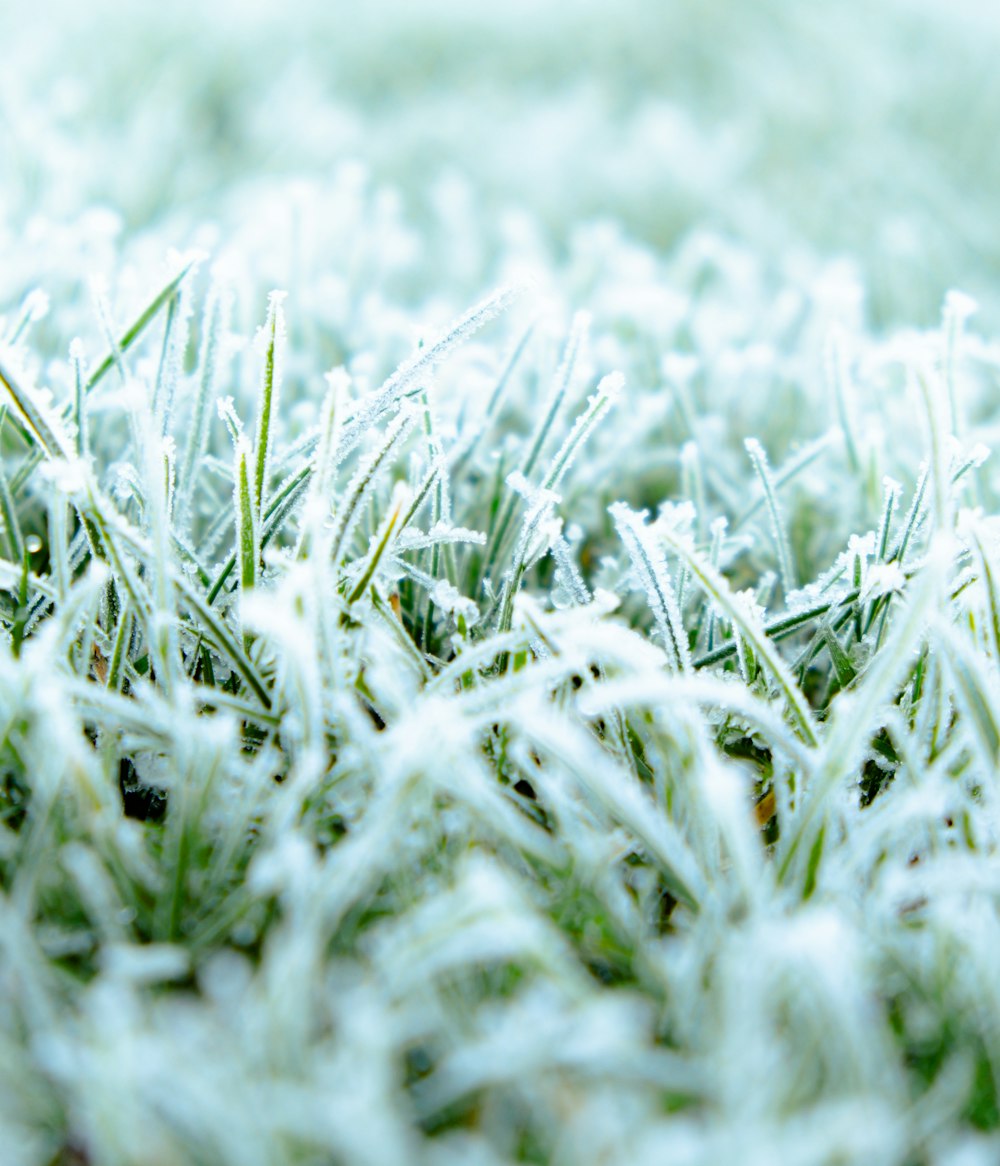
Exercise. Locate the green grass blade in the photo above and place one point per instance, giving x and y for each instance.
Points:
(720, 593)
(140, 324)
(270, 392)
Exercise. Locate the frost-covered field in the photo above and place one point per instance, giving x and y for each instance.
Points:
(500, 583)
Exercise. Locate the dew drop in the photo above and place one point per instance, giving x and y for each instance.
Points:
(33, 544)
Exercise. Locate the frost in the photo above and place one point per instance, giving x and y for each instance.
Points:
(883, 579)
(70, 476)
(566, 734)
(960, 306)
(451, 600)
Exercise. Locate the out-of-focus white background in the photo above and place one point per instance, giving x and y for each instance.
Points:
(863, 128)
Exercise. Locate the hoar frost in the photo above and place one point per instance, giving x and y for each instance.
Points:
(565, 734)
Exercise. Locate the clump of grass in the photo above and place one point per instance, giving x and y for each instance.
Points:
(272, 775)
(567, 733)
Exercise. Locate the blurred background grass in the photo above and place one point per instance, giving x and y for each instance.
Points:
(864, 128)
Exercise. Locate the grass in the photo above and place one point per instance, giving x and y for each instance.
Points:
(555, 723)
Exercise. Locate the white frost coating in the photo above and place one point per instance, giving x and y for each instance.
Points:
(70, 476)
(959, 305)
(451, 600)
(393, 840)
(650, 566)
(882, 579)
(440, 533)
